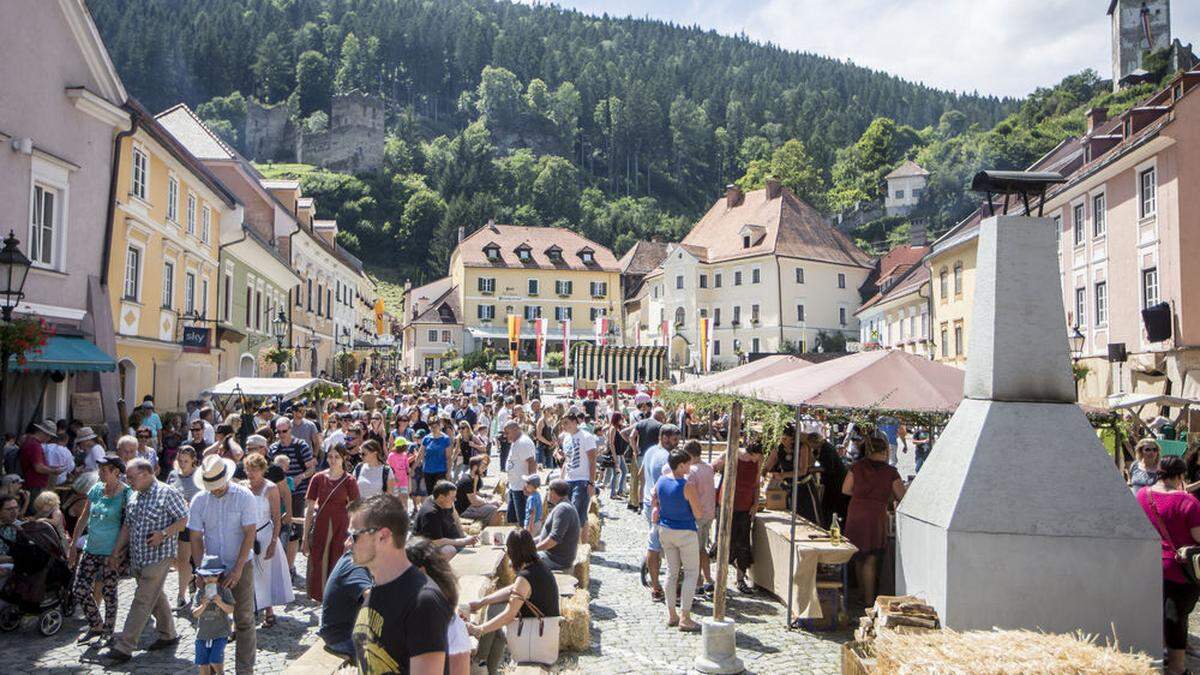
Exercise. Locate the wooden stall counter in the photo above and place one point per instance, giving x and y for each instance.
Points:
(813, 547)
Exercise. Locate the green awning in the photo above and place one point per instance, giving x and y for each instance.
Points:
(65, 354)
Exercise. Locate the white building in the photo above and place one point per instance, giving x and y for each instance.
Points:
(904, 187)
(766, 268)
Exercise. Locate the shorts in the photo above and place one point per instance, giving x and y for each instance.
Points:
(210, 651)
(703, 528)
(431, 479)
(652, 542)
(401, 489)
(417, 484)
(186, 535)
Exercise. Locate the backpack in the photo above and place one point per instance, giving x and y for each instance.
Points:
(387, 470)
(12, 460)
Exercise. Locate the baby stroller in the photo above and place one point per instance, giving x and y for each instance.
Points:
(40, 582)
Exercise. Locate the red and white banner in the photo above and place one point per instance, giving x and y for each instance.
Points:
(602, 331)
(566, 337)
(539, 335)
(666, 338)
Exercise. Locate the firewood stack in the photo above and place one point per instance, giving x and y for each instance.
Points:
(902, 614)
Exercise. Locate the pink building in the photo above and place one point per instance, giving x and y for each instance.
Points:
(60, 115)
(1129, 223)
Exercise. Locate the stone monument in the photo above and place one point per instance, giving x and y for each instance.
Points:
(1019, 518)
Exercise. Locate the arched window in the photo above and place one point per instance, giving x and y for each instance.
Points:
(958, 278)
(944, 283)
(678, 316)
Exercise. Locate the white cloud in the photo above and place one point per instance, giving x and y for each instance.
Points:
(1004, 47)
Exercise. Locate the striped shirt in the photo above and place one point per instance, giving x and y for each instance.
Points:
(148, 512)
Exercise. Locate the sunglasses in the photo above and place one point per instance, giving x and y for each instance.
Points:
(355, 534)
(197, 428)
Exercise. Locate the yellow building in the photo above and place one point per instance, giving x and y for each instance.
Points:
(163, 267)
(951, 266)
(897, 316)
(532, 272)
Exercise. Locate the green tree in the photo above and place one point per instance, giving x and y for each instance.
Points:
(556, 189)
(423, 214)
(272, 70)
(358, 68)
(795, 169)
(314, 84)
(537, 98)
(498, 97)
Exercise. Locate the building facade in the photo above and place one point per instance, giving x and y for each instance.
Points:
(60, 115)
(432, 329)
(905, 185)
(164, 273)
(768, 271)
(898, 315)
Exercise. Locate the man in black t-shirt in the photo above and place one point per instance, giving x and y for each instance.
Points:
(435, 520)
(402, 626)
(468, 502)
(645, 432)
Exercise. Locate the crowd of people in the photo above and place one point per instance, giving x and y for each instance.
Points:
(376, 489)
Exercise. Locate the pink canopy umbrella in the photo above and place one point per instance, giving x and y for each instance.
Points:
(887, 380)
(720, 382)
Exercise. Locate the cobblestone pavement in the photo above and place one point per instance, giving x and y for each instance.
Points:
(629, 633)
(294, 632)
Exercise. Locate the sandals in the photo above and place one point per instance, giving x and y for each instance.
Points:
(657, 595)
(269, 621)
(691, 627)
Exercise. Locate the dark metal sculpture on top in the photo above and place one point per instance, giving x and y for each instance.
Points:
(1023, 183)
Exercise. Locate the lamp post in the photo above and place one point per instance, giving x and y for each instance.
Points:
(279, 327)
(1076, 340)
(14, 267)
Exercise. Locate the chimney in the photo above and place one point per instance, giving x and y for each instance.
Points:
(492, 226)
(733, 195)
(772, 187)
(917, 235)
(461, 233)
(1096, 117)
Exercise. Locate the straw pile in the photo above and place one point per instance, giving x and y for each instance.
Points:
(505, 575)
(1002, 652)
(583, 568)
(574, 629)
(593, 529)
(502, 485)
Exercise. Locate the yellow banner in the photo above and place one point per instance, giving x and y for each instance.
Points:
(379, 310)
(514, 339)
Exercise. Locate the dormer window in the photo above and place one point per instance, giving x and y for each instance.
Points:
(751, 234)
(492, 252)
(524, 254)
(587, 255)
(746, 241)
(555, 254)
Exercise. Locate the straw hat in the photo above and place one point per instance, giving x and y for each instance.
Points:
(214, 473)
(47, 427)
(84, 434)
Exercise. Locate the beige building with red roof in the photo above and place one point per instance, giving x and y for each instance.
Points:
(768, 270)
(498, 270)
(897, 316)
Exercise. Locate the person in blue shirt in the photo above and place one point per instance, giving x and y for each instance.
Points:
(151, 418)
(653, 462)
(675, 505)
(343, 597)
(437, 453)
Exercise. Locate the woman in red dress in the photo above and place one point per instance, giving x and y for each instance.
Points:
(871, 484)
(325, 519)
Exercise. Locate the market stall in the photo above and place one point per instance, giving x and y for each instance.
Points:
(812, 546)
(246, 389)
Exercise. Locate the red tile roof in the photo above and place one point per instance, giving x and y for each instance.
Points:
(508, 238)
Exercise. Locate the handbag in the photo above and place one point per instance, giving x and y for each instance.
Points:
(1188, 557)
(312, 526)
(534, 639)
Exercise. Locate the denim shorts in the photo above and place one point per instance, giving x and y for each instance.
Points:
(210, 651)
(652, 542)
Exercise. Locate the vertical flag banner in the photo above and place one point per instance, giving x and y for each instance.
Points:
(666, 338)
(705, 344)
(539, 335)
(514, 339)
(601, 331)
(566, 337)
(379, 310)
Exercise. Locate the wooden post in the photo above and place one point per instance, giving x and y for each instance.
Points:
(792, 533)
(726, 516)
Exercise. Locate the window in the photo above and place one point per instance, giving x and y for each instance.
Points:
(43, 226)
(1148, 193)
(945, 340)
(596, 313)
(753, 313)
(958, 339)
(310, 294)
(173, 199)
(1058, 232)
(717, 280)
(523, 254)
(249, 293)
(842, 316)
(755, 275)
(446, 336)
(737, 278)
(754, 346)
(487, 285)
(679, 281)
(258, 310)
(944, 284)
(191, 214)
(329, 303)
(189, 293)
(1098, 225)
(554, 254)
(320, 303)
(679, 316)
(1149, 287)
(916, 193)
(587, 257)
(703, 313)
(899, 194)
(533, 312)
(433, 336)
(958, 279)
(205, 223)
(168, 284)
(703, 281)
(800, 313)
(716, 347)
(533, 287)
(716, 316)
(204, 297)
(1077, 223)
(737, 315)
(226, 312)
(133, 269)
(799, 275)
(599, 289)
(492, 253)
(562, 313)
(841, 280)
(486, 312)
(563, 287)
(1101, 303)
(1080, 306)
(138, 187)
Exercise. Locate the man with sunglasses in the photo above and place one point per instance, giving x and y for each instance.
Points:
(402, 627)
(196, 435)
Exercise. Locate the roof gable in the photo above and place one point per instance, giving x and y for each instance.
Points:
(91, 46)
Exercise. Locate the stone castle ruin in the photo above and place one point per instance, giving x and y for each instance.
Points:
(353, 142)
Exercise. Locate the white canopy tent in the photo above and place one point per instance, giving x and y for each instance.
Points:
(284, 388)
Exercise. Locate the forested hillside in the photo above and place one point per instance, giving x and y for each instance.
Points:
(622, 128)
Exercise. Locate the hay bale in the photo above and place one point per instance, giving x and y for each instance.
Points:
(575, 628)
(582, 568)
(506, 575)
(1002, 652)
(593, 529)
(502, 485)
(567, 584)
(472, 528)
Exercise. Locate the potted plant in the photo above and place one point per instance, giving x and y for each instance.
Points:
(22, 337)
(277, 356)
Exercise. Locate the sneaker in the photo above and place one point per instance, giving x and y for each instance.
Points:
(182, 603)
(90, 635)
(163, 643)
(117, 656)
(708, 589)
(745, 588)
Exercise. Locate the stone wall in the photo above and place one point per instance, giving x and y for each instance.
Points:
(270, 133)
(352, 143)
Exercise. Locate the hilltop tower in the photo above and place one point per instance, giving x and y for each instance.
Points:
(1138, 26)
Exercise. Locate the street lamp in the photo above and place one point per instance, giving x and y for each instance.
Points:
(14, 267)
(1077, 341)
(279, 327)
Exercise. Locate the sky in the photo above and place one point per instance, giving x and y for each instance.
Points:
(1002, 47)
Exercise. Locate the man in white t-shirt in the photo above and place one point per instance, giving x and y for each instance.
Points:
(58, 455)
(93, 452)
(521, 461)
(579, 465)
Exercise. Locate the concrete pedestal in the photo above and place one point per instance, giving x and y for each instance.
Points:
(720, 648)
(1019, 518)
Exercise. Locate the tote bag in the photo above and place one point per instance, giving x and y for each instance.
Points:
(534, 639)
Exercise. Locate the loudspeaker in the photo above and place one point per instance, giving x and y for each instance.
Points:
(1157, 320)
(1116, 352)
